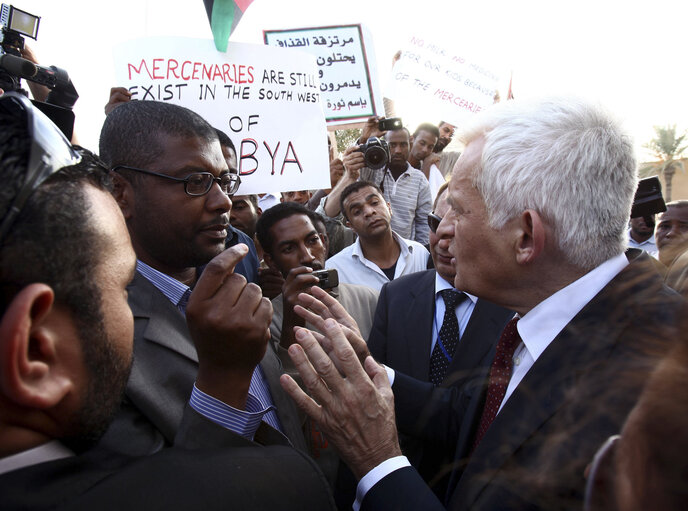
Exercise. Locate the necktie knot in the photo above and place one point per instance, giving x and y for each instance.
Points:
(507, 344)
(452, 298)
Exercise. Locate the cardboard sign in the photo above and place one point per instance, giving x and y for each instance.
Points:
(266, 99)
(448, 84)
(346, 69)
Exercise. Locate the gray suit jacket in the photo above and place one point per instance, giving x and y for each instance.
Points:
(163, 374)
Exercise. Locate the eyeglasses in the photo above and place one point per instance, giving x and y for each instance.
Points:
(50, 152)
(198, 183)
(434, 222)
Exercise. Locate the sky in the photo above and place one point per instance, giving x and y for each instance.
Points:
(630, 56)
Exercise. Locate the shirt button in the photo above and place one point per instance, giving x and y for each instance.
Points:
(517, 361)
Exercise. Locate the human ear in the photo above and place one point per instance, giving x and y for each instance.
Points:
(31, 374)
(123, 193)
(530, 241)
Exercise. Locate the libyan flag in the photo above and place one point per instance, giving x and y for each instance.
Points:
(224, 16)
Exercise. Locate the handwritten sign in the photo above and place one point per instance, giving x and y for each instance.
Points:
(266, 99)
(345, 68)
(448, 84)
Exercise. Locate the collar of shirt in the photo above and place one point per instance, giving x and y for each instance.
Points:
(171, 288)
(404, 246)
(542, 324)
(49, 451)
(441, 285)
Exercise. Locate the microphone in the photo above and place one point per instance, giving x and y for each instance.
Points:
(62, 92)
(29, 71)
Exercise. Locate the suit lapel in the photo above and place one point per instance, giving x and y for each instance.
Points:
(165, 325)
(286, 408)
(418, 316)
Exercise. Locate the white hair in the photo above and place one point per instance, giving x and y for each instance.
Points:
(566, 159)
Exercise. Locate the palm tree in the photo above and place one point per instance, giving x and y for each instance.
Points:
(667, 147)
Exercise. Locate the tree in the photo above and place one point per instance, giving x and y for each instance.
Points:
(668, 147)
(345, 138)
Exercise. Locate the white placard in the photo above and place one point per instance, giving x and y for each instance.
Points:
(266, 99)
(346, 68)
(448, 83)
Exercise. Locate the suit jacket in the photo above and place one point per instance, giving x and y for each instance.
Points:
(401, 338)
(209, 467)
(163, 374)
(578, 392)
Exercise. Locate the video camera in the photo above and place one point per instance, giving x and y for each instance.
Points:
(648, 200)
(15, 24)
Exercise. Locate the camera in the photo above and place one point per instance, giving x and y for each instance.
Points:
(15, 24)
(375, 152)
(393, 123)
(648, 200)
(327, 278)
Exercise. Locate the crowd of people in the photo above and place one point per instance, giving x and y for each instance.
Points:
(480, 329)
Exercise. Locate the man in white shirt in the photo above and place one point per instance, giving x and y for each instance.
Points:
(642, 236)
(379, 254)
(524, 238)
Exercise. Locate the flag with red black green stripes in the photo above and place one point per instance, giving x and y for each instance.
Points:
(224, 16)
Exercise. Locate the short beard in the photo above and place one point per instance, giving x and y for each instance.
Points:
(439, 146)
(108, 372)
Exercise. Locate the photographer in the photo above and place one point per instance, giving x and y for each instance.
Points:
(404, 187)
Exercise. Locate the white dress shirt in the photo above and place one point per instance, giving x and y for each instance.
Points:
(354, 268)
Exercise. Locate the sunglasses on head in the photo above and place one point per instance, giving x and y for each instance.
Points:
(50, 151)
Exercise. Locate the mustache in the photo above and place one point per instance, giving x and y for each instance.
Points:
(220, 220)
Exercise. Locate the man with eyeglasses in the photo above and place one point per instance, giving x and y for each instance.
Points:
(173, 186)
(412, 333)
(66, 350)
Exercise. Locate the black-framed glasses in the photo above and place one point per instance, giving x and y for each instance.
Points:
(50, 152)
(198, 183)
(434, 222)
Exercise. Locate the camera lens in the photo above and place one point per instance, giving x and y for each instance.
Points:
(375, 157)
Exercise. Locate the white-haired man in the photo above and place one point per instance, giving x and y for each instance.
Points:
(540, 201)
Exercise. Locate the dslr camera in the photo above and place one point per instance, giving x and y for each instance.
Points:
(375, 152)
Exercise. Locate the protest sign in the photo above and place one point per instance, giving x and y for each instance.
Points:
(346, 69)
(266, 99)
(444, 80)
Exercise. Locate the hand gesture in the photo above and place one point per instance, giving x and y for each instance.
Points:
(353, 406)
(229, 323)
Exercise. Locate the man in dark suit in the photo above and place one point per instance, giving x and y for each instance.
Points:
(66, 350)
(406, 337)
(173, 185)
(539, 205)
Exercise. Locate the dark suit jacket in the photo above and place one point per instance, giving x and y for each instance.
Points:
(577, 393)
(163, 374)
(401, 338)
(209, 468)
